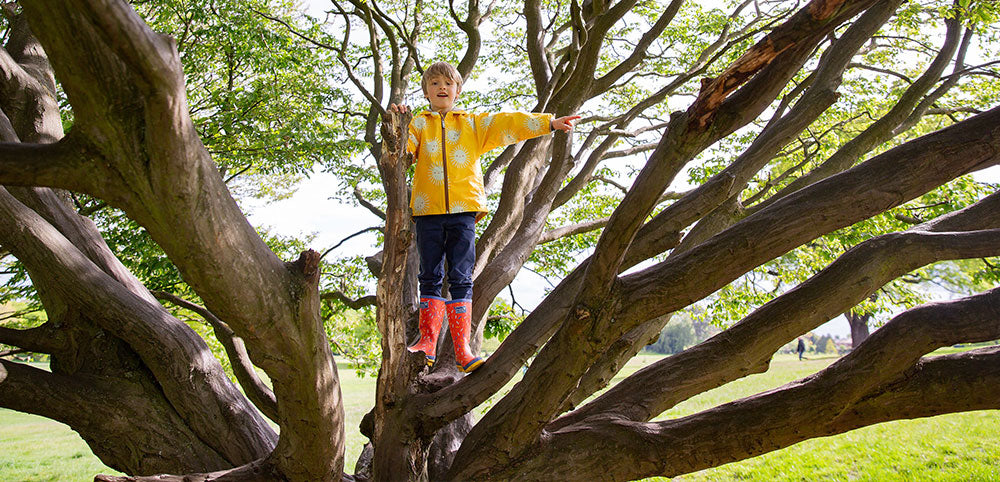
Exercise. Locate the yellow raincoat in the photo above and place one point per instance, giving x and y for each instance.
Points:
(448, 177)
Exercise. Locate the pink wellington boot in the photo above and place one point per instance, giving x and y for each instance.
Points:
(431, 316)
(459, 324)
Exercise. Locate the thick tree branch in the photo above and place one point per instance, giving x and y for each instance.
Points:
(256, 390)
(60, 165)
(599, 154)
(535, 36)
(13, 77)
(146, 327)
(813, 17)
(82, 401)
(818, 92)
(583, 61)
(882, 129)
(471, 28)
(41, 339)
(797, 36)
(883, 379)
(152, 56)
(884, 181)
(850, 279)
(517, 181)
(531, 222)
(511, 209)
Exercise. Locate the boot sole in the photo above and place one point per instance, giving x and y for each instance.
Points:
(471, 366)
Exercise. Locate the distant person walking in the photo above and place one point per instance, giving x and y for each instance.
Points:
(801, 349)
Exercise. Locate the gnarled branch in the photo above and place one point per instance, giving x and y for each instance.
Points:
(883, 379)
(257, 391)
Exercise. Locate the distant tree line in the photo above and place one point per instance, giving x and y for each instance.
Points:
(683, 331)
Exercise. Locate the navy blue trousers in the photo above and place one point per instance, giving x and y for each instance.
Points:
(451, 237)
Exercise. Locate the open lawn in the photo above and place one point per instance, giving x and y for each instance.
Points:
(951, 447)
(33, 448)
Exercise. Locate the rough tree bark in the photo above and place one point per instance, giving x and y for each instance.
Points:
(859, 326)
(133, 145)
(107, 336)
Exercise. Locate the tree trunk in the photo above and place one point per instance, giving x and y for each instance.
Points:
(399, 452)
(111, 333)
(134, 145)
(142, 154)
(859, 327)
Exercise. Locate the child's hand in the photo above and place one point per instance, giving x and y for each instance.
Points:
(401, 108)
(565, 123)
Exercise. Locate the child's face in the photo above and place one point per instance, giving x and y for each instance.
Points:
(442, 92)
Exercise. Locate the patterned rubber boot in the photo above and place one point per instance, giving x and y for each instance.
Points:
(431, 317)
(459, 324)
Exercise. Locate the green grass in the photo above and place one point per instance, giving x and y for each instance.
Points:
(33, 448)
(359, 398)
(956, 447)
(961, 446)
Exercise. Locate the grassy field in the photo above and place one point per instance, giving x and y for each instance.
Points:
(950, 447)
(33, 448)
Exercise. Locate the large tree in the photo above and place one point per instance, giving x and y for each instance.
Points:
(783, 161)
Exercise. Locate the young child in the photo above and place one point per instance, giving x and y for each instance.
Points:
(448, 198)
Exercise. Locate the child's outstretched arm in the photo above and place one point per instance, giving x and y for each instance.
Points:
(564, 123)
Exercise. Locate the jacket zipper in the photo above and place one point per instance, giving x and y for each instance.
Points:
(444, 166)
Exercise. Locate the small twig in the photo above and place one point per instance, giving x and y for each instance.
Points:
(908, 219)
(513, 300)
(295, 32)
(16, 314)
(364, 301)
(918, 208)
(367, 204)
(342, 241)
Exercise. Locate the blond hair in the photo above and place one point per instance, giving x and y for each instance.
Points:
(442, 69)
